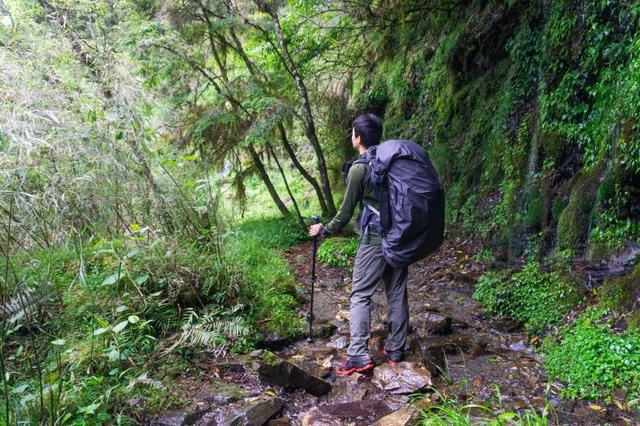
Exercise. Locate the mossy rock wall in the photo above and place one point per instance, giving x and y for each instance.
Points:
(521, 106)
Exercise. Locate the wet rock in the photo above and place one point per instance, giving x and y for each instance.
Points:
(504, 324)
(404, 377)
(272, 341)
(351, 388)
(280, 421)
(278, 371)
(184, 416)
(339, 343)
(363, 412)
(433, 357)
(320, 330)
(401, 417)
(518, 347)
(435, 324)
(256, 413)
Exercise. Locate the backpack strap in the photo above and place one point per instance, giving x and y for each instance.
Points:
(373, 209)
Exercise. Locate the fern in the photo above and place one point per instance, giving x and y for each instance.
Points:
(24, 304)
(209, 331)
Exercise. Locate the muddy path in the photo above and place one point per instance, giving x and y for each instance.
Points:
(468, 357)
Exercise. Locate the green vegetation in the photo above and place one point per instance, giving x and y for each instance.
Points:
(593, 360)
(450, 412)
(157, 157)
(532, 296)
(167, 300)
(338, 252)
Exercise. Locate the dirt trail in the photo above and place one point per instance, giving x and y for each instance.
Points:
(469, 356)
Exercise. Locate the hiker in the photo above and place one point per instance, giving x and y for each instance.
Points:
(370, 266)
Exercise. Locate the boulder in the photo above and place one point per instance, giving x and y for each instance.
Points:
(401, 378)
(257, 413)
(277, 371)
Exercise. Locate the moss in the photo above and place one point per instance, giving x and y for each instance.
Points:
(573, 223)
(269, 358)
(621, 293)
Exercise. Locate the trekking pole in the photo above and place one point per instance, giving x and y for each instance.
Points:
(315, 221)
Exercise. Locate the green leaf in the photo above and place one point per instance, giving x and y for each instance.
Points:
(59, 342)
(99, 331)
(133, 319)
(111, 279)
(142, 279)
(120, 326)
(20, 389)
(113, 355)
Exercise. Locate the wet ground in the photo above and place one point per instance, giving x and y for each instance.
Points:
(471, 358)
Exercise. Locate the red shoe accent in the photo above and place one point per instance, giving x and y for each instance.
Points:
(352, 370)
(389, 361)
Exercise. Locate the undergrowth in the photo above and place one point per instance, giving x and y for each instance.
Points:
(97, 324)
(532, 296)
(451, 412)
(338, 252)
(594, 361)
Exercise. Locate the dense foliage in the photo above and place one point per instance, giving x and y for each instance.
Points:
(536, 298)
(147, 148)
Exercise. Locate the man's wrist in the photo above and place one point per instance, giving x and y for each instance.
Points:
(323, 230)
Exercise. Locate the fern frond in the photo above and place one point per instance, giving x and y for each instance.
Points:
(23, 304)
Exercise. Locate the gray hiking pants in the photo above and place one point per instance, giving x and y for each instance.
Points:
(369, 267)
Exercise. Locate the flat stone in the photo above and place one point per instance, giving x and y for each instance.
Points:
(256, 413)
(364, 412)
(184, 416)
(402, 417)
(401, 378)
(350, 388)
(277, 371)
(340, 343)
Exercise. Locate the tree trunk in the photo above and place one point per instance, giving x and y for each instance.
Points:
(286, 184)
(262, 172)
(302, 170)
(309, 125)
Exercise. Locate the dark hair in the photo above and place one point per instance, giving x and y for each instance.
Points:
(369, 127)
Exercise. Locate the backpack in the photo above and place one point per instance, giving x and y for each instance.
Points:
(411, 215)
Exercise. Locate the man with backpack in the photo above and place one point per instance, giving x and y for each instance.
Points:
(370, 264)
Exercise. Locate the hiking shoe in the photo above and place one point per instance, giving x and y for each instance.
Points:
(350, 366)
(392, 358)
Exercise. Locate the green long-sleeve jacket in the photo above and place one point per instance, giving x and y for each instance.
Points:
(357, 189)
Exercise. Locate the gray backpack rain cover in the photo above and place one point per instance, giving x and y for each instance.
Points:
(411, 200)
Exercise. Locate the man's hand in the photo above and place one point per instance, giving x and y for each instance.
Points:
(314, 230)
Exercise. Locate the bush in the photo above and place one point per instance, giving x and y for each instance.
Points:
(338, 252)
(593, 361)
(536, 298)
